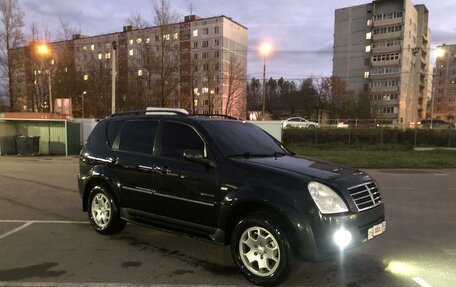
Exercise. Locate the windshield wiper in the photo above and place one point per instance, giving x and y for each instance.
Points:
(280, 154)
(247, 155)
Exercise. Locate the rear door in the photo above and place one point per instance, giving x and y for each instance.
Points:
(133, 163)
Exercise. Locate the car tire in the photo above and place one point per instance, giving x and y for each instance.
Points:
(103, 211)
(261, 250)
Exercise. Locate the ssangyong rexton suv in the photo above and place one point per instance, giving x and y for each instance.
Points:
(227, 181)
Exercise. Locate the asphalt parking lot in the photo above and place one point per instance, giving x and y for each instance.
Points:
(45, 239)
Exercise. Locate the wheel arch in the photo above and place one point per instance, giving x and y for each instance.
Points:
(99, 176)
(246, 208)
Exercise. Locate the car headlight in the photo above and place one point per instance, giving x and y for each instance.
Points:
(327, 200)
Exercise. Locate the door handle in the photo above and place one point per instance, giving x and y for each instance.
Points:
(114, 160)
(162, 169)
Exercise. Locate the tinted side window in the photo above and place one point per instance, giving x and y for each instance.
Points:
(177, 138)
(138, 136)
(113, 130)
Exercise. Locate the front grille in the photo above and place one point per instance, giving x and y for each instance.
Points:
(365, 195)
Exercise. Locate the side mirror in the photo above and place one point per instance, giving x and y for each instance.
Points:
(197, 156)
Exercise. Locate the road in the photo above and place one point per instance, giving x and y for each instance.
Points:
(45, 238)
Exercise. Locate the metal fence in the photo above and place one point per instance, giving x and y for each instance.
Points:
(380, 136)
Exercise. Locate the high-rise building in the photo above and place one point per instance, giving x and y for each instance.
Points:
(443, 103)
(199, 64)
(382, 49)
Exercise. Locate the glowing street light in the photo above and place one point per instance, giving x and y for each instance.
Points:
(43, 50)
(265, 50)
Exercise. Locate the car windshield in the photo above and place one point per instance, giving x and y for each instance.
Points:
(243, 139)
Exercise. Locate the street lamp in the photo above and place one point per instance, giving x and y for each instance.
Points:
(265, 50)
(83, 94)
(440, 53)
(113, 78)
(43, 50)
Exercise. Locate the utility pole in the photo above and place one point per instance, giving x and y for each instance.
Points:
(113, 78)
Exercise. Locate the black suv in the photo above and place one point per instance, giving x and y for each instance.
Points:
(227, 181)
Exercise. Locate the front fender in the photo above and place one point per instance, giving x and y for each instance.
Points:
(241, 202)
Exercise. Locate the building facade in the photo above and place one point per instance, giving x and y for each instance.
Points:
(443, 103)
(199, 64)
(382, 49)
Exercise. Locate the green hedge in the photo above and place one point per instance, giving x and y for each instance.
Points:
(359, 137)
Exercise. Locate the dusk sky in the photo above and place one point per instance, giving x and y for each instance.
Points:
(301, 31)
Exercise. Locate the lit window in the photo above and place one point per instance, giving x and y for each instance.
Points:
(195, 33)
(176, 36)
(52, 62)
(86, 77)
(366, 75)
(140, 73)
(100, 56)
(138, 41)
(131, 52)
(368, 35)
(147, 40)
(167, 37)
(368, 49)
(84, 48)
(108, 56)
(92, 47)
(130, 41)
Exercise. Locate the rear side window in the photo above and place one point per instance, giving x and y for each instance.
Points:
(138, 136)
(112, 130)
(179, 137)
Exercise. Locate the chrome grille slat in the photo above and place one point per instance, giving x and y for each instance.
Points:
(365, 195)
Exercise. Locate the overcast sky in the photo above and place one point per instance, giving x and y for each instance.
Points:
(301, 31)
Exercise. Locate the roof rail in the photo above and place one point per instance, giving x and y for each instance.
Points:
(154, 111)
(215, 116)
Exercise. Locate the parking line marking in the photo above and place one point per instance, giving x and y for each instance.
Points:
(72, 284)
(43, 221)
(16, 230)
(421, 282)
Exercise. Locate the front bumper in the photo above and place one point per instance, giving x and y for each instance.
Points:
(317, 241)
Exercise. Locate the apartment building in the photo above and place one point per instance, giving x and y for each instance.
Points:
(199, 64)
(382, 49)
(443, 103)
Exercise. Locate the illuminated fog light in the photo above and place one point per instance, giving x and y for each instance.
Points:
(342, 238)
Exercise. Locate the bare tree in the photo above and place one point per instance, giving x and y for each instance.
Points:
(164, 18)
(236, 95)
(66, 30)
(11, 37)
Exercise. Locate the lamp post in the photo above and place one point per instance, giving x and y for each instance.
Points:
(82, 108)
(43, 51)
(441, 52)
(113, 78)
(265, 49)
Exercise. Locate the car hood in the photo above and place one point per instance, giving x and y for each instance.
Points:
(305, 166)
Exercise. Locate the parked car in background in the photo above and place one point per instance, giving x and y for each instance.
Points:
(357, 123)
(426, 123)
(297, 122)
